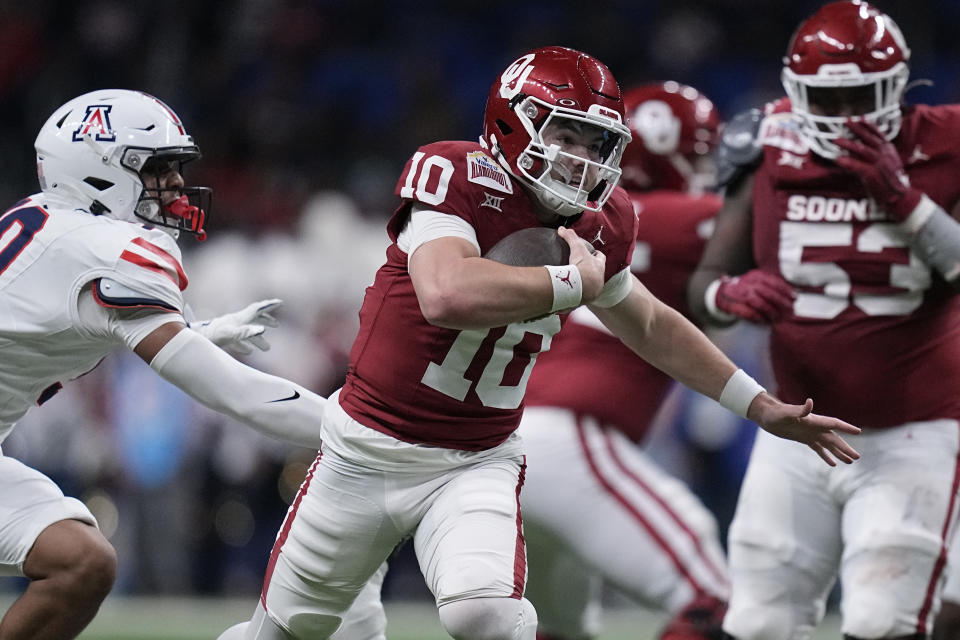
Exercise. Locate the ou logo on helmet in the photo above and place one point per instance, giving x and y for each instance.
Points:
(658, 126)
(517, 73)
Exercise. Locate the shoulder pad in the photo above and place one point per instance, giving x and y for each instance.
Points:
(117, 295)
(739, 149)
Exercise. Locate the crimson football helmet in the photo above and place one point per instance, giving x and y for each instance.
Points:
(557, 85)
(675, 129)
(96, 148)
(850, 46)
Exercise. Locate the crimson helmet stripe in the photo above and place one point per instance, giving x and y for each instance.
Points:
(173, 116)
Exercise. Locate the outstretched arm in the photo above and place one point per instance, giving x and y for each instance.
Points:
(274, 406)
(664, 338)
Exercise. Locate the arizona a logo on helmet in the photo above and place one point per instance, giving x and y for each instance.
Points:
(97, 122)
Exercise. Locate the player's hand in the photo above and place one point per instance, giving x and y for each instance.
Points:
(797, 422)
(757, 296)
(876, 162)
(592, 264)
(239, 332)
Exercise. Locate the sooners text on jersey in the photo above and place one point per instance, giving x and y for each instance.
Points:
(875, 335)
(458, 389)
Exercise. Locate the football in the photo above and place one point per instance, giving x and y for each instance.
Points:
(532, 247)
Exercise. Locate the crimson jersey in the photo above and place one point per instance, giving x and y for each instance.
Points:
(874, 335)
(588, 369)
(459, 389)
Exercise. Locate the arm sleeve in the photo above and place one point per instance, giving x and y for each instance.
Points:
(273, 406)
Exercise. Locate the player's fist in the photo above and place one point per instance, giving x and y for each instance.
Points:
(876, 162)
(240, 331)
(757, 296)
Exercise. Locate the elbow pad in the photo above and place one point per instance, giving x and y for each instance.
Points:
(272, 405)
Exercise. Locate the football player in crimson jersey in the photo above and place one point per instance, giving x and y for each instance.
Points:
(596, 508)
(839, 230)
(420, 442)
(89, 265)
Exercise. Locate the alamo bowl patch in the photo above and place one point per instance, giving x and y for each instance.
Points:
(782, 130)
(484, 170)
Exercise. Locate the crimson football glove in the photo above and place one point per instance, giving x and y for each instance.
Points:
(876, 162)
(757, 296)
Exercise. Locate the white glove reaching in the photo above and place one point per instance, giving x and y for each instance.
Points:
(240, 331)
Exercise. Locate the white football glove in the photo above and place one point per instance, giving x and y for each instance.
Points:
(240, 331)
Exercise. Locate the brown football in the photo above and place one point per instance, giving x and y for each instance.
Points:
(532, 247)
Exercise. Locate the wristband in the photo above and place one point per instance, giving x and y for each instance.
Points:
(710, 300)
(567, 286)
(739, 392)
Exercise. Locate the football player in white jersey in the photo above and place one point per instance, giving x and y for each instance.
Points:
(88, 265)
(420, 442)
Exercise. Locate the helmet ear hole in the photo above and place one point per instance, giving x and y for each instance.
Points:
(505, 129)
(97, 183)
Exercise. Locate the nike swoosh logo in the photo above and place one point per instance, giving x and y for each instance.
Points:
(296, 394)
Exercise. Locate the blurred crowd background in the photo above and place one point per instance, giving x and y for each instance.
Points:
(306, 112)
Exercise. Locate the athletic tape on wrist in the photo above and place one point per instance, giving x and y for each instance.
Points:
(567, 286)
(710, 300)
(739, 392)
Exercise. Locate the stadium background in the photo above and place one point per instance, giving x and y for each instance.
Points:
(306, 112)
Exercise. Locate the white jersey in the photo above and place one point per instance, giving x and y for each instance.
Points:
(70, 284)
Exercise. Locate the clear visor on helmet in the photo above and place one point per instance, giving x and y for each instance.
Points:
(825, 101)
(573, 159)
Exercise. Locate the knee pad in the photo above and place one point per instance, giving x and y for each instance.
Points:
(489, 619)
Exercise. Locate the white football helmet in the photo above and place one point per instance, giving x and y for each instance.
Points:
(93, 149)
